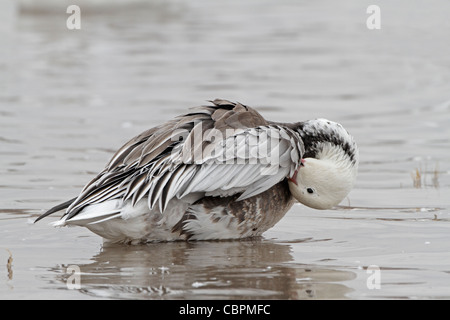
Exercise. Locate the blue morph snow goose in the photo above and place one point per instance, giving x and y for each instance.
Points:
(218, 172)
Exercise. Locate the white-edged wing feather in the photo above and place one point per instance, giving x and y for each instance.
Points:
(238, 165)
(219, 150)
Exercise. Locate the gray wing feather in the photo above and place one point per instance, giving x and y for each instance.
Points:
(259, 169)
(160, 165)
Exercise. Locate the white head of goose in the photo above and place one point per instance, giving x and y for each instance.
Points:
(329, 166)
(218, 172)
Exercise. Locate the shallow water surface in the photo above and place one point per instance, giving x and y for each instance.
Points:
(70, 98)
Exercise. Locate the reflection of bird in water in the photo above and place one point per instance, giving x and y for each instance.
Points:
(192, 270)
(218, 172)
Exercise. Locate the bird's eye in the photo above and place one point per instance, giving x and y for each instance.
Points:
(310, 190)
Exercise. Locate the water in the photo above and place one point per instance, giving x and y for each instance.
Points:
(70, 98)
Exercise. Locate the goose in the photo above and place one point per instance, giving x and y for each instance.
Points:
(220, 171)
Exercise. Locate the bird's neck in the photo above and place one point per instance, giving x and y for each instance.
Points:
(337, 156)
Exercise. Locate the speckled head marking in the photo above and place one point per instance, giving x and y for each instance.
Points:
(319, 134)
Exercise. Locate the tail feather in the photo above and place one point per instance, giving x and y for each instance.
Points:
(57, 208)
